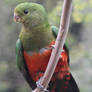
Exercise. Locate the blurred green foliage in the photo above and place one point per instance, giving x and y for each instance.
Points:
(14, 1)
(81, 12)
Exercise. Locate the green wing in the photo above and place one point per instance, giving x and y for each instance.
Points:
(55, 33)
(72, 87)
(19, 55)
(21, 63)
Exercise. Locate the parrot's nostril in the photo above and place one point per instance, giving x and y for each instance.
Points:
(16, 17)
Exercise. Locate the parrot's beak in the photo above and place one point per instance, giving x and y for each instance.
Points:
(17, 18)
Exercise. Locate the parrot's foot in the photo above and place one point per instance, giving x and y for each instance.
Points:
(39, 85)
(60, 56)
(52, 46)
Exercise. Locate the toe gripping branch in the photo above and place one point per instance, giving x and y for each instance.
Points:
(40, 86)
(53, 47)
(38, 83)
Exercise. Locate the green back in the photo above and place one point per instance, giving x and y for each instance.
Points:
(19, 55)
(55, 33)
(21, 63)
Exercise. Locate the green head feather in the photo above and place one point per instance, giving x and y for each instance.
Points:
(31, 14)
(36, 31)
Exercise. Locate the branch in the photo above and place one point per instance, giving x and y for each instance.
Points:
(63, 30)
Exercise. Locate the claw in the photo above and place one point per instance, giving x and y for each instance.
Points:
(39, 85)
(53, 46)
(60, 57)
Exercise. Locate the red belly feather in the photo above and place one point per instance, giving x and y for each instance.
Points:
(37, 64)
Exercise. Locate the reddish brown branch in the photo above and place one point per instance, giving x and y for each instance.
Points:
(63, 30)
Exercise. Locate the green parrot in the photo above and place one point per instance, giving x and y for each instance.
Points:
(34, 47)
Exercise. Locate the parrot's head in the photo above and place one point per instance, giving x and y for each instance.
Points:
(30, 14)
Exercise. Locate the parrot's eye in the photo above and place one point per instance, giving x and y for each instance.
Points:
(25, 11)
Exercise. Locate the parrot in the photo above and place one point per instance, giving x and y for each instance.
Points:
(34, 46)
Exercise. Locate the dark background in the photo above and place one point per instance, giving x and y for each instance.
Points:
(79, 39)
